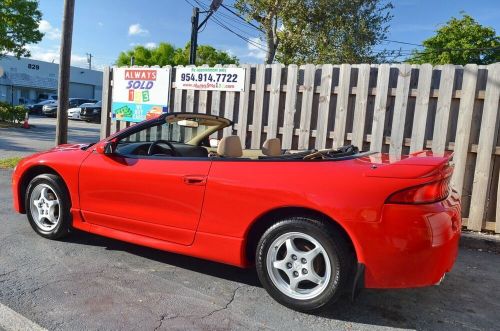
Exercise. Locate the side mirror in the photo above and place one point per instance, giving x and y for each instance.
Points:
(105, 148)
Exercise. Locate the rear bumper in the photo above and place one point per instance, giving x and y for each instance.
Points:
(91, 118)
(412, 245)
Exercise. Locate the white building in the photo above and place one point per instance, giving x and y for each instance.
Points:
(25, 81)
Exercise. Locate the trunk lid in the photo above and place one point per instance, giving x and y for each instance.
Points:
(416, 165)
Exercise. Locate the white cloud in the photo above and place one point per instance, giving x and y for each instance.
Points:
(100, 24)
(147, 45)
(137, 30)
(51, 54)
(50, 32)
(255, 47)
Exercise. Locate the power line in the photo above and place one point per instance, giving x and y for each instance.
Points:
(232, 18)
(235, 27)
(241, 17)
(216, 21)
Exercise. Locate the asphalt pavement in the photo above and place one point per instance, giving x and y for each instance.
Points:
(87, 282)
(41, 136)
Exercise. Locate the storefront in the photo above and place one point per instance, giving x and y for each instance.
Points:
(27, 81)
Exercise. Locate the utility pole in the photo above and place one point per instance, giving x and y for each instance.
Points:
(194, 35)
(195, 27)
(89, 60)
(132, 61)
(64, 72)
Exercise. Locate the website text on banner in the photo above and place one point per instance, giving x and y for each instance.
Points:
(214, 79)
(140, 94)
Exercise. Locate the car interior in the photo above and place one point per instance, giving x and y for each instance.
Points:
(185, 135)
(228, 147)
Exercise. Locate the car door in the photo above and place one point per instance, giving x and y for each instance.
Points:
(157, 197)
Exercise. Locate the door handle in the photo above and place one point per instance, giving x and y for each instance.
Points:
(195, 180)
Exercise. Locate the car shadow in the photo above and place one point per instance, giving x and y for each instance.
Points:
(437, 307)
(224, 271)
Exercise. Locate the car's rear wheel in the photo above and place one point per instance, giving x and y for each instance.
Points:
(48, 206)
(303, 264)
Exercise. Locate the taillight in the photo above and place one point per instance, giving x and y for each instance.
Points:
(426, 193)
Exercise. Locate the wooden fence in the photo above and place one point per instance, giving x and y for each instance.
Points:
(392, 108)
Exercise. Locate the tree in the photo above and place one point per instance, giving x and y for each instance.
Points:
(460, 41)
(168, 54)
(19, 21)
(319, 31)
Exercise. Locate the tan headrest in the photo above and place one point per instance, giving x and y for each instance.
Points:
(272, 147)
(230, 146)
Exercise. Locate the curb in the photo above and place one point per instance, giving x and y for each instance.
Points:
(480, 241)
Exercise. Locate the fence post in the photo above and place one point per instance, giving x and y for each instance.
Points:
(229, 108)
(484, 149)
(307, 103)
(342, 104)
(400, 105)
(274, 100)
(258, 106)
(290, 106)
(107, 88)
(358, 128)
(243, 107)
(421, 108)
(464, 124)
(380, 108)
(325, 94)
(443, 109)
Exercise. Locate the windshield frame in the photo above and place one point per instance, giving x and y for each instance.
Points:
(162, 119)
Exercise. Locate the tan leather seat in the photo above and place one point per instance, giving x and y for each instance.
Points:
(272, 147)
(230, 146)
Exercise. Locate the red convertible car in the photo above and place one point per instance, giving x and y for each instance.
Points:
(314, 223)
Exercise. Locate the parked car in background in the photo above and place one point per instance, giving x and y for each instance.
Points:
(92, 113)
(47, 96)
(50, 110)
(74, 113)
(37, 107)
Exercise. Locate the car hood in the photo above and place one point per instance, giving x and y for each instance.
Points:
(62, 148)
(68, 147)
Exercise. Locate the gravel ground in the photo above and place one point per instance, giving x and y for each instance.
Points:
(91, 283)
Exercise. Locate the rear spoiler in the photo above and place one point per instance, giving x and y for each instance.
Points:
(415, 165)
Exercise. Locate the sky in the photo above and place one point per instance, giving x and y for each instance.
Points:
(104, 28)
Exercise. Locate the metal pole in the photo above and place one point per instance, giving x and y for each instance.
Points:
(89, 60)
(194, 35)
(64, 72)
(132, 61)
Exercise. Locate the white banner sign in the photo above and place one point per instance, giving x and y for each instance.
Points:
(205, 78)
(140, 93)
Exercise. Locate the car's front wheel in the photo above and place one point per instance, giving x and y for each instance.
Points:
(48, 206)
(303, 264)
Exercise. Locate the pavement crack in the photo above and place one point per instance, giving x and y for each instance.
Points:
(226, 305)
(163, 317)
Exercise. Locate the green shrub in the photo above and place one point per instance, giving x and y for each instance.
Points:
(12, 114)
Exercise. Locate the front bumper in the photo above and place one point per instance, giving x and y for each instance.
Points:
(50, 112)
(90, 117)
(411, 245)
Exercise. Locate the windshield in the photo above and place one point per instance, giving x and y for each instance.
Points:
(193, 131)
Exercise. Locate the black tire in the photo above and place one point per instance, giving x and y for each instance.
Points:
(56, 184)
(341, 262)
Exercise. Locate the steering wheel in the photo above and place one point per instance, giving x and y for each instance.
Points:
(165, 142)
